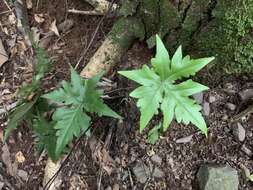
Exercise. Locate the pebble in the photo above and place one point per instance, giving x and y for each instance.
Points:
(230, 106)
(229, 88)
(214, 177)
(246, 150)
(157, 159)
(23, 175)
(211, 99)
(239, 132)
(199, 97)
(206, 109)
(1, 185)
(158, 173)
(141, 172)
(116, 187)
(108, 188)
(224, 117)
(184, 139)
(246, 94)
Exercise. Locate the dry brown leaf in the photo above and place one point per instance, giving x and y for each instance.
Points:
(29, 4)
(12, 19)
(54, 28)
(39, 18)
(19, 157)
(35, 34)
(6, 158)
(101, 156)
(1, 136)
(3, 54)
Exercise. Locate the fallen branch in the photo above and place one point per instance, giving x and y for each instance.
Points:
(114, 46)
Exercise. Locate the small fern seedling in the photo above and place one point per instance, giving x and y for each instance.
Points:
(77, 99)
(159, 89)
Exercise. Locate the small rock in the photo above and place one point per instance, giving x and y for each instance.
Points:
(246, 94)
(217, 177)
(246, 150)
(108, 188)
(224, 117)
(239, 132)
(206, 108)
(23, 175)
(1, 185)
(211, 99)
(229, 88)
(142, 172)
(198, 97)
(158, 173)
(230, 106)
(116, 187)
(157, 159)
(184, 139)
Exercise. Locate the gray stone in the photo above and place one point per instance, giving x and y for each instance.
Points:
(206, 109)
(158, 173)
(217, 178)
(246, 150)
(246, 94)
(230, 106)
(23, 175)
(1, 185)
(239, 132)
(157, 159)
(108, 188)
(211, 99)
(184, 139)
(141, 172)
(198, 97)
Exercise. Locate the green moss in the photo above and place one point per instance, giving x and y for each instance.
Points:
(126, 30)
(229, 37)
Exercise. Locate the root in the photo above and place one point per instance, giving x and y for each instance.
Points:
(104, 59)
(114, 46)
(50, 170)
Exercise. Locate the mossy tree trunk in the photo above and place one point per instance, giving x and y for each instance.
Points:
(221, 28)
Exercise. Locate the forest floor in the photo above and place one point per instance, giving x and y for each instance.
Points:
(120, 152)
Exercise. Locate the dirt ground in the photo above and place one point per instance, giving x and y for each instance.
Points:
(173, 161)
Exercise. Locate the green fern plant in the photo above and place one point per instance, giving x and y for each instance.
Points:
(160, 89)
(71, 105)
(29, 94)
(77, 99)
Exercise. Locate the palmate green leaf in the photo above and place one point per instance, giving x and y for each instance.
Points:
(93, 103)
(161, 62)
(153, 134)
(159, 90)
(69, 124)
(144, 76)
(187, 67)
(149, 99)
(70, 93)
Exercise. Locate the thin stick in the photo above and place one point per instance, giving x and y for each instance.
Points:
(6, 12)
(95, 13)
(7, 5)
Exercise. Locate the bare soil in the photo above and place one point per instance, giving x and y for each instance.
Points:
(121, 144)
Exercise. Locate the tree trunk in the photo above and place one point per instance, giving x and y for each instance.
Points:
(221, 28)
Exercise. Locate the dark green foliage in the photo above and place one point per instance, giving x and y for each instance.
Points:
(29, 93)
(229, 36)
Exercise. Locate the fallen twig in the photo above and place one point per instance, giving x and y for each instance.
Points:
(93, 12)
